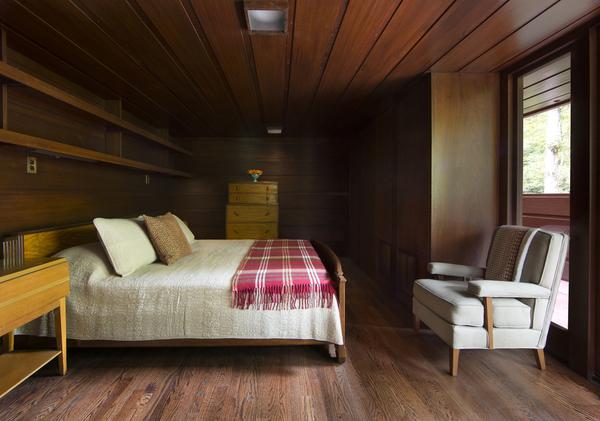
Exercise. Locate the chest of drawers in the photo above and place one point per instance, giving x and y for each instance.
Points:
(253, 210)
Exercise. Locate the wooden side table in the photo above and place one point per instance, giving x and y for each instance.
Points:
(27, 291)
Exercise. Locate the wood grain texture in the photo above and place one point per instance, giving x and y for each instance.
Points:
(315, 29)
(390, 373)
(413, 198)
(252, 211)
(440, 38)
(59, 148)
(66, 191)
(46, 243)
(513, 14)
(408, 25)
(312, 176)
(38, 85)
(459, 151)
(270, 58)
(361, 26)
(78, 46)
(534, 34)
(233, 50)
(316, 77)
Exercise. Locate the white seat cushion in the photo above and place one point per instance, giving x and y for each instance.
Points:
(451, 301)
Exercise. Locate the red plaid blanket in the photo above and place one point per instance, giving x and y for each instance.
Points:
(281, 275)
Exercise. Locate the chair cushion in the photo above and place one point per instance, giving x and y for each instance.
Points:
(451, 301)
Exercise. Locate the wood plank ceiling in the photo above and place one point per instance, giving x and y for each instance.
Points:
(192, 67)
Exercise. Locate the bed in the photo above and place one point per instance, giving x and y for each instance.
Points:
(185, 304)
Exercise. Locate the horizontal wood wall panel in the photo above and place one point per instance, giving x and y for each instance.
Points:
(313, 184)
(65, 191)
(52, 120)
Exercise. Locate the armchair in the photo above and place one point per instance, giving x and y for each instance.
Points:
(508, 304)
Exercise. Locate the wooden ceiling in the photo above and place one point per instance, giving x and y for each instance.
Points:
(192, 67)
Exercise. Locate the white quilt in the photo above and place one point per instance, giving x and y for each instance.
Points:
(189, 299)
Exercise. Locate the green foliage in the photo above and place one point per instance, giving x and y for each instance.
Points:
(536, 142)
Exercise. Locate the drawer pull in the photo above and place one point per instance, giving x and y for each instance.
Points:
(268, 213)
(236, 214)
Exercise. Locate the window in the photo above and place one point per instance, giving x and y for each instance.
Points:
(547, 151)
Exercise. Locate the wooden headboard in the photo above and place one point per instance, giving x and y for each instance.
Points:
(46, 242)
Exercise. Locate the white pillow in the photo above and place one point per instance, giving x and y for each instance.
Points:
(186, 231)
(126, 244)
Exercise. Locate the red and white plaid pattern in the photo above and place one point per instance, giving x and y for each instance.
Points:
(282, 275)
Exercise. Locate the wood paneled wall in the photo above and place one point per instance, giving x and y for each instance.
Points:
(66, 191)
(465, 118)
(426, 187)
(313, 184)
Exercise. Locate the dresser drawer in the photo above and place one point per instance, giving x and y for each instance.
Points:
(253, 188)
(252, 231)
(252, 213)
(254, 198)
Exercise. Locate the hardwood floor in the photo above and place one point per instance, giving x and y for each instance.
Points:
(391, 373)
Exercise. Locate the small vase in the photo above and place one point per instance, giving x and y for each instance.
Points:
(255, 177)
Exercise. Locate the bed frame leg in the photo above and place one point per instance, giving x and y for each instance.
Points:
(340, 351)
(416, 324)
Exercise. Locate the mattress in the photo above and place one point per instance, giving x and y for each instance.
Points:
(190, 299)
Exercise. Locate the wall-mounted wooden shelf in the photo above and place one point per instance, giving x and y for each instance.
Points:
(17, 75)
(47, 145)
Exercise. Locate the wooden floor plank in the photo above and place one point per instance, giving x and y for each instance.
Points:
(391, 373)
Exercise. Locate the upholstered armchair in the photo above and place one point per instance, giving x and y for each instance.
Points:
(508, 304)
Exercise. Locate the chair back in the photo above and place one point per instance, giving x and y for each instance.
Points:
(544, 257)
(521, 254)
(507, 252)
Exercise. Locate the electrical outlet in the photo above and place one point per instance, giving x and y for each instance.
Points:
(147, 179)
(31, 165)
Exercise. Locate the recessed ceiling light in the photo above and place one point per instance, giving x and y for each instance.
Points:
(274, 130)
(263, 20)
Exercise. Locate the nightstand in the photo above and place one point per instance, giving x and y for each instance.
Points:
(28, 290)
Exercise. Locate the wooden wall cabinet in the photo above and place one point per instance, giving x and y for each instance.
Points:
(427, 188)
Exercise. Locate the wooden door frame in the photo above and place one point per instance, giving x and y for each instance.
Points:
(577, 345)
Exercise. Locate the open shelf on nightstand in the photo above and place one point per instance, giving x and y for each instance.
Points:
(17, 366)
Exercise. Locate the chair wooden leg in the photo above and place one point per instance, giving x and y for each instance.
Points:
(340, 350)
(60, 328)
(540, 359)
(416, 324)
(454, 354)
(488, 313)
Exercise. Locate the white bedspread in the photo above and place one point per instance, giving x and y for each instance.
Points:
(189, 299)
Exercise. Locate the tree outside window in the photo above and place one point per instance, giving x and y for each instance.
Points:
(547, 151)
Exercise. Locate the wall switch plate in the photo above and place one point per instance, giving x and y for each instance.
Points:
(31, 165)
(147, 179)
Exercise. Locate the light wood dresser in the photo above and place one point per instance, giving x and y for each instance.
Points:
(253, 210)
(28, 290)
